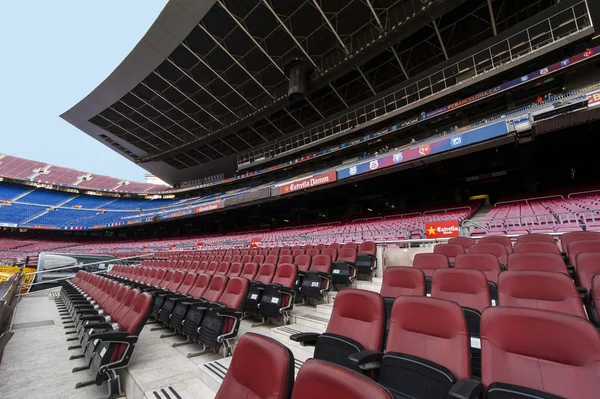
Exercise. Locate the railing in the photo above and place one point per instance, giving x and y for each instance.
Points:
(8, 301)
(583, 192)
(526, 200)
(448, 209)
(555, 28)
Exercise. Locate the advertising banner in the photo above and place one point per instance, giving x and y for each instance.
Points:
(255, 242)
(593, 99)
(442, 144)
(208, 207)
(313, 181)
(442, 229)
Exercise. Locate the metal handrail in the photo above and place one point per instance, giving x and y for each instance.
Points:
(114, 260)
(526, 200)
(583, 192)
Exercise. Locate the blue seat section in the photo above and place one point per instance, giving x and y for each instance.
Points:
(9, 191)
(61, 217)
(105, 218)
(125, 203)
(46, 197)
(89, 201)
(17, 213)
(158, 203)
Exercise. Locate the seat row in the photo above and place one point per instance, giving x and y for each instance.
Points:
(524, 352)
(107, 317)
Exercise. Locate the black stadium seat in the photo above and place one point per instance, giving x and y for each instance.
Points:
(278, 296)
(366, 260)
(530, 353)
(257, 352)
(317, 281)
(343, 271)
(265, 275)
(357, 323)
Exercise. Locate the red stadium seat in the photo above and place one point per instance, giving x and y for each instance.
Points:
(595, 300)
(317, 281)
(486, 263)
(546, 262)
(265, 275)
(499, 240)
(278, 296)
(344, 268)
(528, 352)
(235, 270)
(537, 246)
(577, 247)
(498, 250)
(332, 252)
(535, 237)
(464, 242)
(249, 271)
(588, 265)
(313, 252)
(450, 250)
(428, 263)
(566, 238)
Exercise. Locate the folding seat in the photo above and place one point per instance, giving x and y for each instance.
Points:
(203, 258)
(218, 259)
(265, 275)
(577, 247)
(566, 238)
(212, 268)
(248, 271)
(210, 258)
(335, 246)
(170, 288)
(254, 252)
(450, 250)
(286, 248)
(194, 267)
(302, 261)
(366, 260)
(114, 348)
(487, 264)
(170, 299)
(588, 265)
(285, 259)
(246, 259)
(223, 269)
(427, 351)
(332, 252)
(197, 308)
(356, 324)
(203, 266)
(221, 320)
(297, 252)
(319, 379)
(313, 252)
(278, 297)
(181, 305)
(352, 245)
(273, 253)
(285, 252)
(498, 240)
(531, 353)
(495, 249)
(535, 237)
(235, 270)
(263, 252)
(271, 259)
(236, 258)
(320, 247)
(540, 290)
(343, 271)
(537, 261)
(260, 259)
(186, 266)
(537, 246)
(317, 280)
(258, 352)
(227, 258)
(179, 265)
(307, 247)
(296, 247)
(428, 263)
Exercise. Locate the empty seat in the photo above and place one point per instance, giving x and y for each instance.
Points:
(498, 250)
(335, 246)
(450, 250)
(319, 380)
(249, 271)
(428, 263)
(271, 259)
(464, 242)
(212, 268)
(258, 259)
(246, 259)
(265, 275)
(498, 240)
(317, 280)
(535, 237)
(566, 238)
(297, 252)
(529, 352)
(486, 263)
(540, 290)
(303, 262)
(313, 252)
(278, 296)
(223, 269)
(595, 300)
(357, 323)
(427, 351)
(366, 260)
(577, 247)
(537, 246)
(588, 265)
(235, 270)
(537, 261)
(343, 272)
(285, 259)
(257, 352)
(331, 252)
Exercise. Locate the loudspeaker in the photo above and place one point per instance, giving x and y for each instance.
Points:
(298, 71)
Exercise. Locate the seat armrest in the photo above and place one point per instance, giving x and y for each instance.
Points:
(305, 339)
(257, 285)
(96, 326)
(320, 274)
(582, 290)
(466, 389)
(119, 336)
(93, 318)
(228, 312)
(192, 301)
(366, 360)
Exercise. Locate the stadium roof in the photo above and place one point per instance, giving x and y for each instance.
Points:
(208, 81)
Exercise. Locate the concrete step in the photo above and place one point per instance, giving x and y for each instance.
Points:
(282, 334)
(325, 309)
(314, 320)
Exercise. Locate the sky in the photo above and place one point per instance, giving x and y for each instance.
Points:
(53, 54)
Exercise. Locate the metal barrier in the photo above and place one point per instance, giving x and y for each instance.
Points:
(8, 301)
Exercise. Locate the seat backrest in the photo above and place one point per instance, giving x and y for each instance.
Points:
(498, 250)
(297, 252)
(430, 262)
(566, 238)
(134, 320)
(432, 329)
(271, 259)
(321, 263)
(303, 262)
(580, 246)
(234, 293)
(246, 259)
(313, 252)
(188, 282)
(499, 240)
(332, 252)
(160, 276)
(227, 258)
(468, 288)
(223, 269)
(450, 250)
(464, 242)
(335, 245)
(320, 247)
(215, 288)
(236, 258)
(212, 267)
(539, 290)
(486, 263)
(367, 248)
(285, 259)
(536, 349)
(194, 267)
(176, 281)
(347, 254)
(321, 379)
(545, 262)
(588, 265)
(258, 259)
(286, 275)
(235, 270)
(202, 266)
(307, 247)
(537, 246)
(265, 273)
(595, 296)
(258, 352)
(122, 310)
(401, 280)
(249, 271)
(200, 285)
(285, 252)
(535, 237)
(359, 315)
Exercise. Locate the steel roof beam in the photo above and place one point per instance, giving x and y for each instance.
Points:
(151, 121)
(140, 126)
(316, 3)
(128, 132)
(366, 80)
(437, 32)
(400, 62)
(492, 18)
(370, 5)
